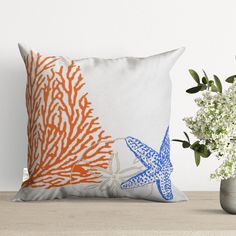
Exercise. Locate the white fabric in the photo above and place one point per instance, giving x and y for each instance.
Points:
(132, 98)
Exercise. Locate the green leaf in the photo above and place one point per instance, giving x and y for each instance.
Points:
(195, 75)
(206, 153)
(205, 75)
(204, 87)
(194, 89)
(186, 135)
(204, 80)
(177, 140)
(197, 158)
(218, 84)
(186, 144)
(214, 88)
(210, 82)
(195, 146)
(231, 79)
(203, 151)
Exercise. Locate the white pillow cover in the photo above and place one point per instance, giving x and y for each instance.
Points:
(99, 127)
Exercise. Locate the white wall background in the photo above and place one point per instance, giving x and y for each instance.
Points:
(109, 28)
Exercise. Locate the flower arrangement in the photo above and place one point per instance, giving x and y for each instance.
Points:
(214, 125)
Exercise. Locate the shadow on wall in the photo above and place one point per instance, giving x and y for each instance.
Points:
(13, 122)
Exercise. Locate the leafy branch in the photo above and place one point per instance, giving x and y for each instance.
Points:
(200, 150)
(204, 83)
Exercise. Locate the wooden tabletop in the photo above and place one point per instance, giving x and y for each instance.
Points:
(201, 215)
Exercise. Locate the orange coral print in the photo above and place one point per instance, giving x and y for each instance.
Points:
(66, 144)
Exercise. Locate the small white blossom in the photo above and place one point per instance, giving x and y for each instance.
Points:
(215, 126)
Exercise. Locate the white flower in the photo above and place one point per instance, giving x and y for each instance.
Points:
(215, 126)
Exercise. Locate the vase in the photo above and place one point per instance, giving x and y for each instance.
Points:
(228, 195)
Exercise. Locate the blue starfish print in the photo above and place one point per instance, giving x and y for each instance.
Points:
(158, 166)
